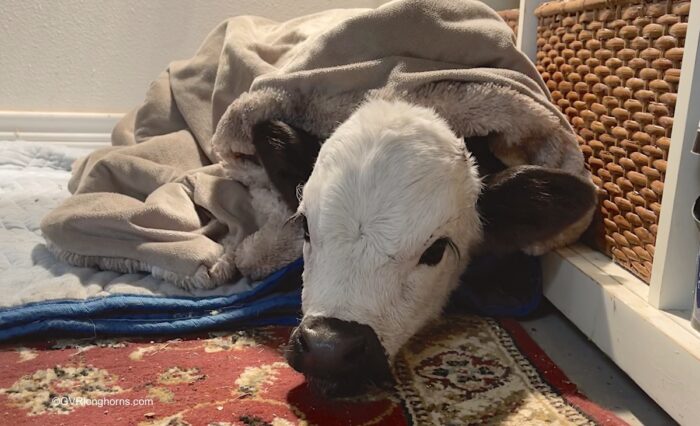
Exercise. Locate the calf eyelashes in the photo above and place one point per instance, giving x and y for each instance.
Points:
(305, 227)
(434, 254)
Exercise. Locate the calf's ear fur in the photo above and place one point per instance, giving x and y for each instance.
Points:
(534, 209)
(288, 155)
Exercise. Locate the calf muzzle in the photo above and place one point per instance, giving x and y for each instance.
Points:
(338, 358)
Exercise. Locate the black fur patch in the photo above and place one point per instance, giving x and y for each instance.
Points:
(523, 205)
(288, 155)
(479, 147)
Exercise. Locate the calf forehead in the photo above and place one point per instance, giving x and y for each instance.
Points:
(393, 194)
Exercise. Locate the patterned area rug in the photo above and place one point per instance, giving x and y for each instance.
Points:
(464, 370)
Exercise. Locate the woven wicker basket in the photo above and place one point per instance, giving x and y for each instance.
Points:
(613, 68)
(511, 18)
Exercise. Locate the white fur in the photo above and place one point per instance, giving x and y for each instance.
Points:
(389, 181)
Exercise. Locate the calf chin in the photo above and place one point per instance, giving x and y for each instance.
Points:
(349, 387)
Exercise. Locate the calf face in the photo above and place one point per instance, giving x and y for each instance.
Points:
(391, 213)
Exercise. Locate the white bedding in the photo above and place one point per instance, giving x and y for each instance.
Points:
(33, 180)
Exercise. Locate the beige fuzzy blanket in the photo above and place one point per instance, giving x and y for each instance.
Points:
(180, 194)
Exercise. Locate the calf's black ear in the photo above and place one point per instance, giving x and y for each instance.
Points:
(288, 155)
(534, 209)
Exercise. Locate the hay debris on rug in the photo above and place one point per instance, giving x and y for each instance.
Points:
(464, 370)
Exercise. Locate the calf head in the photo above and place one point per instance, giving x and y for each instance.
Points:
(392, 211)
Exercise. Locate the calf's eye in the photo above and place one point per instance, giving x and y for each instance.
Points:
(433, 254)
(305, 225)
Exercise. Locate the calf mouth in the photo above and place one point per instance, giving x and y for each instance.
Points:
(349, 387)
(339, 359)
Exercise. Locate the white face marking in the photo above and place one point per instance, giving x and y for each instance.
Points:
(387, 184)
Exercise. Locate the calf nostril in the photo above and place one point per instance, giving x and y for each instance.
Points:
(301, 341)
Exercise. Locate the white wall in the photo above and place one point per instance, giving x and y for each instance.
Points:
(100, 55)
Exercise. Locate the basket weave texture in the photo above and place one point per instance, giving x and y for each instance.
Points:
(613, 69)
(511, 18)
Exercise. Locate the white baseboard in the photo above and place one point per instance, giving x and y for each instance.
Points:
(658, 349)
(67, 128)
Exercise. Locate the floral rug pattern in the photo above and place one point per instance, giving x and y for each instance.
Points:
(463, 370)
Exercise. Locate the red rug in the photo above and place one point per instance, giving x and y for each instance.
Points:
(464, 370)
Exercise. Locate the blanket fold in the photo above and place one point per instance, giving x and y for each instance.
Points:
(181, 193)
(41, 294)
